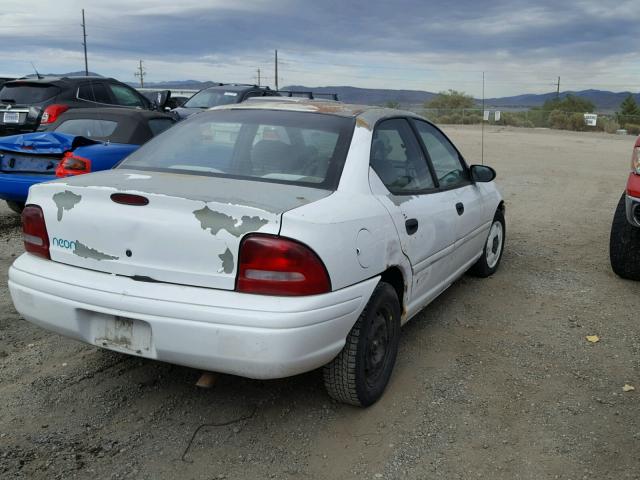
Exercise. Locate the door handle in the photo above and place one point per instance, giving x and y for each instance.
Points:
(460, 208)
(411, 225)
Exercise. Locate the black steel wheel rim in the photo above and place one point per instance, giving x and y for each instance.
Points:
(378, 350)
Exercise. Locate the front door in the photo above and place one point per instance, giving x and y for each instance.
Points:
(453, 176)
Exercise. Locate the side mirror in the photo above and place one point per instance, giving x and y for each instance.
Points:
(161, 99)
(482, 173)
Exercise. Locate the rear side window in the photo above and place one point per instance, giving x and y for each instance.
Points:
(94, 92)
(276, 146)
(88, 127)
(159, 125)
(21, 94)
(125, 96)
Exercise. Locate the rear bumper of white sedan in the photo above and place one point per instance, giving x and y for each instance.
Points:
(254, 336)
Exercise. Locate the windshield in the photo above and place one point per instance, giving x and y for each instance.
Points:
(277, 146)
(211, 98)
(20, 94)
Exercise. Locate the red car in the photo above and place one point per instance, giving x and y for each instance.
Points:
(624, 246)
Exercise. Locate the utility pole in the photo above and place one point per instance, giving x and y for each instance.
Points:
(140, 73)
(558, 90)
(277, 70)
(258, 77)
(84, 44)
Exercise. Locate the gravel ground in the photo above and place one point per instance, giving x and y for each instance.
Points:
(494, 379)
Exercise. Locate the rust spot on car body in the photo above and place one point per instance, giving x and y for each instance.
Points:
(83, 251)
(227, 261)
(65, 201)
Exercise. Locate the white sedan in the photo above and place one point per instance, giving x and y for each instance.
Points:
(262, 239)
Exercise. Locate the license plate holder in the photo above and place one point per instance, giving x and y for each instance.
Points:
(124, 334)
(11, 117)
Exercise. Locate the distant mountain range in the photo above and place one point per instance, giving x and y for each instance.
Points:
(605, 101)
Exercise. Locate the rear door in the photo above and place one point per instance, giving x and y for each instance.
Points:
(424, 217)
(465, 197)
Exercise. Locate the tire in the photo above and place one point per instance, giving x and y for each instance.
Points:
(493, 249)
(361, 371)
(624, 245)
(16, 206)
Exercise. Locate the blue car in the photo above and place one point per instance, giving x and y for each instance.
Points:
(80, 141)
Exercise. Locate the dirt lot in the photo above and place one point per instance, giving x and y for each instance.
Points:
(494, 380)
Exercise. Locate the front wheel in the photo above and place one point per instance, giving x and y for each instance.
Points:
(489, 262)
(16, 206)
(624, 245)
(361, 371)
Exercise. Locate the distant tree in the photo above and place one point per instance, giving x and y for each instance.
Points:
(570, 103)
(392, 104)
(629, 111)
(451, 99)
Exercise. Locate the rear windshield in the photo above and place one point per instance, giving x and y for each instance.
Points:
(21, 94)
(212, 98)
(88, 127)
(274, 146)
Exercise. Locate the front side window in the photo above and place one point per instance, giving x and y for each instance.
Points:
(397, 159)
(279, 146)
(445, 159)
(125, 96)
(211, 98)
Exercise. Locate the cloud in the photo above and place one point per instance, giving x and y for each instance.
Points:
(522, 46)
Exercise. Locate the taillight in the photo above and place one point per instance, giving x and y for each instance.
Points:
(73, 165)
(34, 231)
(271, 265)
(52, 112)
(635, 158)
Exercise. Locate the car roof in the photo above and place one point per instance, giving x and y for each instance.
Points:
(365, 115)
(133, 127)
(57, 80)
(115, 112)
(236, 87)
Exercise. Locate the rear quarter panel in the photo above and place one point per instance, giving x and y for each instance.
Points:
(105, 156)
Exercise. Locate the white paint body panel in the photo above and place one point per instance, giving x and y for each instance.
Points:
(191, 315)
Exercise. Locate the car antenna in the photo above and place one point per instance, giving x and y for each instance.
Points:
(482, 129)
(36, 70)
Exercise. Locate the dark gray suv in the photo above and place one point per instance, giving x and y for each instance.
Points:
(32, 103)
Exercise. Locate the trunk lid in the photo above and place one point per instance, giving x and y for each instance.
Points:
(37, 152)
(189, 233)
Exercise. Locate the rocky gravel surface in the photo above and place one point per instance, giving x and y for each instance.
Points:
(495, 379)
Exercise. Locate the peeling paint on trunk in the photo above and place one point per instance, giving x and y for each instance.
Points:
(216, 221)
(83, 251)
(65, 201)
(227, 261)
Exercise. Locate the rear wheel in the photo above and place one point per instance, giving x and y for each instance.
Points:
(361, 371)
(489, 262)
(624, 245)
(16, 206)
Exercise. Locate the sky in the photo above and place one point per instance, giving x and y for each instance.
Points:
(521, 46)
